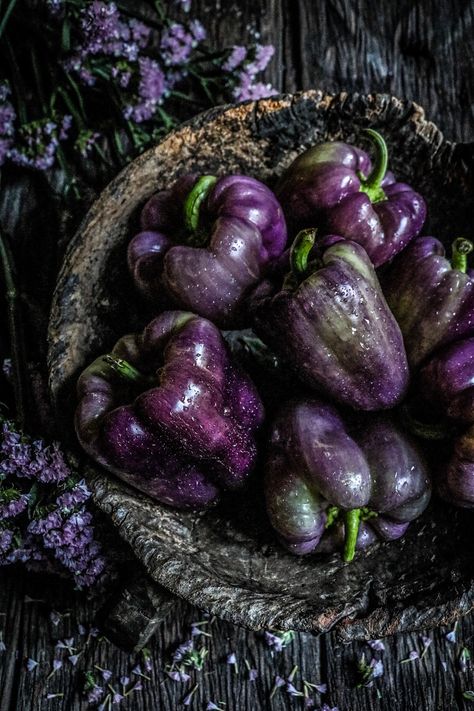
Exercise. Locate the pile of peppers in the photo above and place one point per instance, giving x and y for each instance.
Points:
(348, 346)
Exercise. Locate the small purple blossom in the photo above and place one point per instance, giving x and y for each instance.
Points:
(178, 41)
(235, 58)
(188, 698)
(451, 636)
(95, 694)
(377, 645)
(291, 690)
(178, 675)
(182, 650)
(15, 506)
(278, 640)
(31, 664)
(231, 659)
(253, 674)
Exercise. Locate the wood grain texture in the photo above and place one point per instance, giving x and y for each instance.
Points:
(28, 631)
(225, 560)
(422, 51)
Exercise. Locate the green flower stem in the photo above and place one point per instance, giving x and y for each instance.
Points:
(459, 250)
(126, 370)
(300, 249)
(6, 16)
(15, 331)
(351, 527)
(194, 200)
(372, 185)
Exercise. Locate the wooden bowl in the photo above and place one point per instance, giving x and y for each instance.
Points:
(228, 562)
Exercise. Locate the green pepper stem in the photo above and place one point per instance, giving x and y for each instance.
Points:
(351, 531)
(194, 200)
(459, 250)
(372, 184)
(126, 370)
(300, 249)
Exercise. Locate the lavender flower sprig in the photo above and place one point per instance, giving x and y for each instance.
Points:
(43, 514)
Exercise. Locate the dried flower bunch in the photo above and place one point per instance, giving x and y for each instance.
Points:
(105, 81)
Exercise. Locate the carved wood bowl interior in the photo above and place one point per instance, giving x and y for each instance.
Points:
(226, 560)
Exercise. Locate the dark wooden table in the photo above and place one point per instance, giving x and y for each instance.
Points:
(417, 50)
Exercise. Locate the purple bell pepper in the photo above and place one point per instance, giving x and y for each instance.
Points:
(333, 186)
(169, 412)
(456, 481)
(319, 472)
(331, 323)
(431, 296)
(205, 242)
(447, 380)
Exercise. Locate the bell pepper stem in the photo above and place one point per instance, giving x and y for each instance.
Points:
(459, 250)
(194, 200)
(300, 249)
(351, 530)
(125, 370)
(372, 184)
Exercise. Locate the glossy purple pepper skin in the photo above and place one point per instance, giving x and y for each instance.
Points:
(334, 328)
(315, 461)
(328, 187)
(432, 301)
(447, 380)
(205, 242)
(170, 413)
(456, 481)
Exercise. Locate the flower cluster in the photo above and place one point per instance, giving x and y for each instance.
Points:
(7, 118)
(37, 142)
(124, 79)
(244, 66)
(43, 515)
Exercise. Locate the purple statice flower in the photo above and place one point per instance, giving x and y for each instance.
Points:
(236, 57)
(95, 694)
(211, 706)
(188, 698)
(151, 89)
(325, 707)
(70, 499)
(7, 368)
(246, 86)
(377, 645)
(122, 73)
(247, 89)
(278, 640)
(140, 33)
(102, 28)
(6, 540)
(253, 674)
(451, 636)
(7, 118)
(31, 664)
(411, 657)
(178, 41)
(263, 55)
(36, 145)
(15, 503)
(183, 649)
(291, 690)
(178, 675)
(231, 659)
